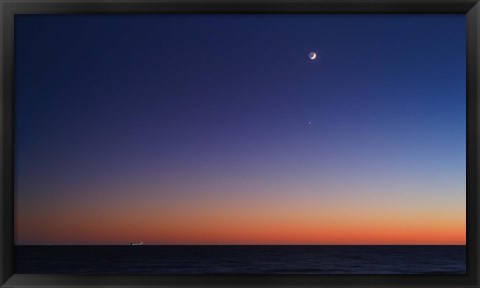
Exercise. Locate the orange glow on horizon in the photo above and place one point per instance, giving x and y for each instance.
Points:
(229, 224)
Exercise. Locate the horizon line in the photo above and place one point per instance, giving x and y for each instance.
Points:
(144, 244)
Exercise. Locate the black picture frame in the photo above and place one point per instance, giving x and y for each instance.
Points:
(10, 8)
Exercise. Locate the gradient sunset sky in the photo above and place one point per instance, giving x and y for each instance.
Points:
(219, 129)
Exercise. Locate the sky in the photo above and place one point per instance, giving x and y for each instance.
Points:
(219, 129)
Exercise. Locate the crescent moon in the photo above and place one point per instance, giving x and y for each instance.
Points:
(312, 55)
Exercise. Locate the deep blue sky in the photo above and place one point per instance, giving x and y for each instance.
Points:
(183, 108)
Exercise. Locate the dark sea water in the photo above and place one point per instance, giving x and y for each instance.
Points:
(240, 259)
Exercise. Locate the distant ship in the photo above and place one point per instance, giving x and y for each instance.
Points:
(136, 244)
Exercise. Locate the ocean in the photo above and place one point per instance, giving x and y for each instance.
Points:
(240, 259)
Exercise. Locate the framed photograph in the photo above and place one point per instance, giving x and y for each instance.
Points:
(225, 143)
